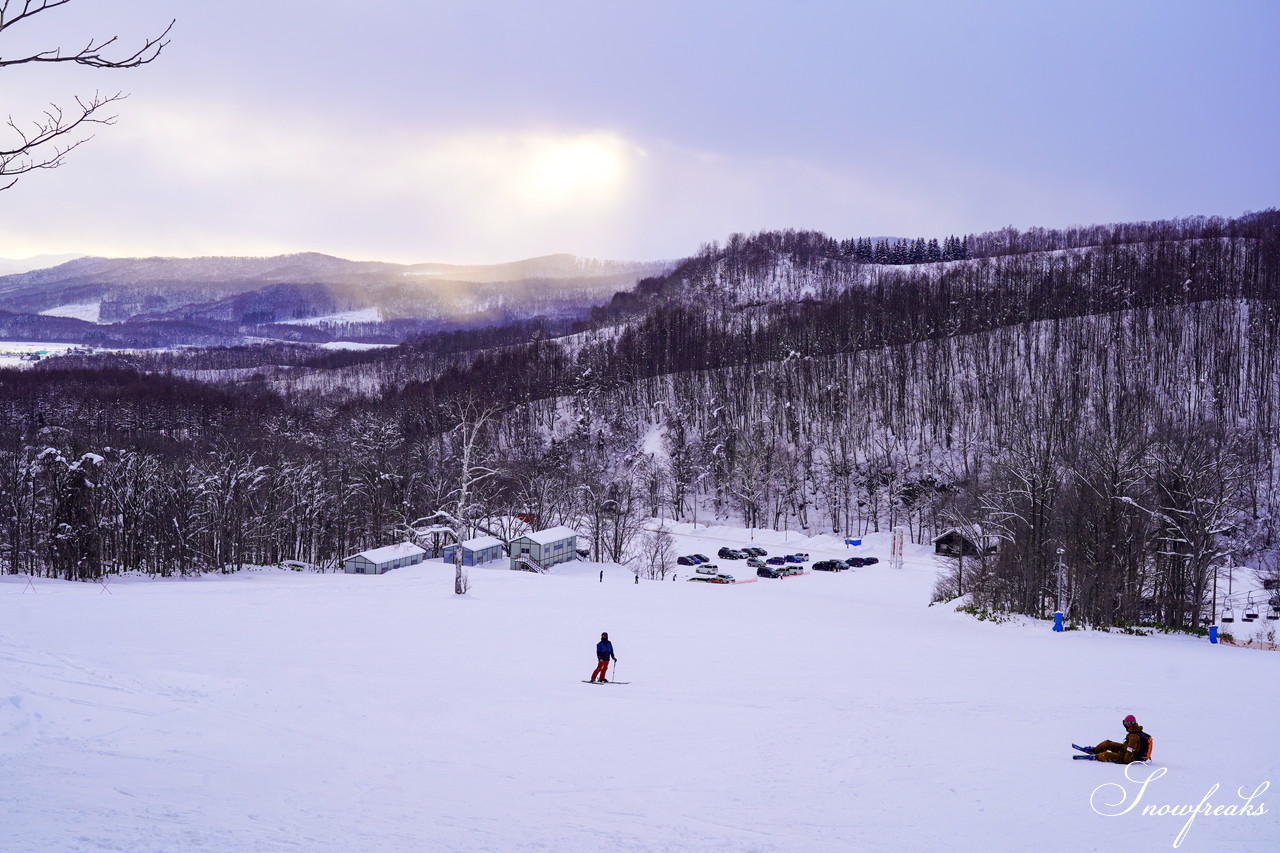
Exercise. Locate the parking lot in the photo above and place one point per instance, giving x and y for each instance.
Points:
(733, 563)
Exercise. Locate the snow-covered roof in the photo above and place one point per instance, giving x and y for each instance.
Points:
(977, 533)
(478, 544)
(388, 553)
(551, 534)
(979, 537)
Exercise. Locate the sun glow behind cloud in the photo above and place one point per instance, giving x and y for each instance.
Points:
(263, 183)
(513, 174)
(591, 169)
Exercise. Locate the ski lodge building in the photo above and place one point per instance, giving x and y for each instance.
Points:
(544, 548)
(381, 560)
(953, 543)
(482, 549)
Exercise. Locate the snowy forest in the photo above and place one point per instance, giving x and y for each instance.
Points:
(1105, 395)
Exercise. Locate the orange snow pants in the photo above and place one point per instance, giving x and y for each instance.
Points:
(601, 668)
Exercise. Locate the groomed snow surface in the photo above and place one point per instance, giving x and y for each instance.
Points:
(278, 711)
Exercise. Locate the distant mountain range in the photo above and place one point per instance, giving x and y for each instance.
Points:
(10, 266)
(306, 297)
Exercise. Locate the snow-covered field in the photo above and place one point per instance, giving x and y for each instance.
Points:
(274, 711)
(359, 315)
(90, 312)
(353, 345)
(15, 353)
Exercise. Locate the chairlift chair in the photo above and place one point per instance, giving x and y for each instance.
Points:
(1250, 610)
(1228, 615)
(1274, 613)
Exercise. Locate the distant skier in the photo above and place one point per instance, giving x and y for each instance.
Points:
(604, 651)
(1136, 746)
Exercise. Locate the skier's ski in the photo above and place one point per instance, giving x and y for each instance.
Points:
(584, 681)
(1087, 749)
(1085, 757)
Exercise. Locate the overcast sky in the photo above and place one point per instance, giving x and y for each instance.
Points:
(477, 131)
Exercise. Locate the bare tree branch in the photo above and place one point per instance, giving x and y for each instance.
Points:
(45, 142)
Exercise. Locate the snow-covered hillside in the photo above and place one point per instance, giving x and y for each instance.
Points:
(87, 311)
(272, 711)
(359, 315)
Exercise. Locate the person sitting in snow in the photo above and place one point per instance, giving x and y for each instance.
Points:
(1136, 746)
(604, 651)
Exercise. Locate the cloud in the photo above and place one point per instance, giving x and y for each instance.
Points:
(198, 178)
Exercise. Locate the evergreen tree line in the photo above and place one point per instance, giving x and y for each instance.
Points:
(918, 251)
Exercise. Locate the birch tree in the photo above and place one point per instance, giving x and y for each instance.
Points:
(473, 470)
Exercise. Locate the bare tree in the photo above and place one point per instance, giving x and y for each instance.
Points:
(1198, 478)
(657, 553)
(45, 142)
(472, 422)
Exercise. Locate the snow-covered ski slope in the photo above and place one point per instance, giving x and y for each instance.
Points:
(274, 711)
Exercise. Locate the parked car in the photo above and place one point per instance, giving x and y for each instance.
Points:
(702, 558)
(708, 569)
(755, 551)
(732, 554)
(870, 561)
(764, 571)
(755, 562)
(724, 553)
(795, 558)
(686, 561)
(722, 578)
(791, 570)
(777, 561)
(855, 562)
(829, 566)
(803, 556)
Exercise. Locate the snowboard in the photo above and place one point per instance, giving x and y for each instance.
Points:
(584, 681)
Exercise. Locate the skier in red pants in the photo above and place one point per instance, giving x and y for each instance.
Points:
(604, 651)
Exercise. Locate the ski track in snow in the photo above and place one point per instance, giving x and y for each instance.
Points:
(274, 711)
